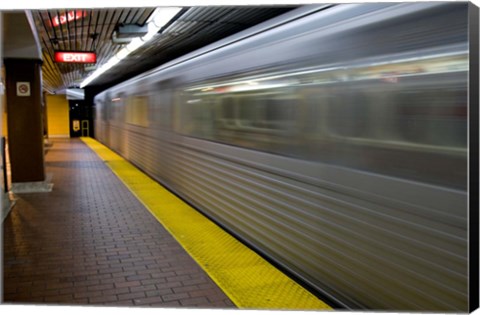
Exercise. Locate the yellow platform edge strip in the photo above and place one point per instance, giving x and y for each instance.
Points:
(246, 278)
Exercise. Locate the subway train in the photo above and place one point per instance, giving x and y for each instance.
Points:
(331, 139)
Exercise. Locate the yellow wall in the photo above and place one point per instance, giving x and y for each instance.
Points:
(3, 103)
(4, 115)
(57, 115)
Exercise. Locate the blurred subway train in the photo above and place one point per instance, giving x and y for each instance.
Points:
(331, 139)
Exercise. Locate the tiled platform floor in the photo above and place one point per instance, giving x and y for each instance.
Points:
(91, 242)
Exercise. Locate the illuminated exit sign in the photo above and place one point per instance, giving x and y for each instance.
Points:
(68, 17)
(75, 57)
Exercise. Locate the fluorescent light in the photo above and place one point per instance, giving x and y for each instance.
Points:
(113, 61)
(163, 16)
(134, 45)
(152, 30)
(159, 18)
(121, 54)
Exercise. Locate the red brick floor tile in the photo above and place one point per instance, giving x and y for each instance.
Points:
(90, 241)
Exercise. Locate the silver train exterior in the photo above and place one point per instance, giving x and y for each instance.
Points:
(332, 139)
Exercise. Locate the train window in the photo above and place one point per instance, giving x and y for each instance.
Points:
(137, 110)
(228, 108)
(314, 115)
(194, 114)
(242, 115)
(350, 112)
(103, 110)
(275, 111)
(389, 119)
(412, 125)
(160, 105)
(117, 107)
(434, 116)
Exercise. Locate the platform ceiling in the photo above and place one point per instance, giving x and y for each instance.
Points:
(192, 28)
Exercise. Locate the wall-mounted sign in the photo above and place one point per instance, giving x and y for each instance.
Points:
(76, 125)
(75, 57)
(68, 17)
(23, 88)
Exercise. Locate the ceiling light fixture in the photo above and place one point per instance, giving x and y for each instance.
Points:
(159, 18)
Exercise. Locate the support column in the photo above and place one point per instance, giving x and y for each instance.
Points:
(24, 116)
(45, 115)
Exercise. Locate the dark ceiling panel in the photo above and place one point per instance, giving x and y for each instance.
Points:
(92, 31)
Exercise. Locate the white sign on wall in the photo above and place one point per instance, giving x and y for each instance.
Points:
(23, 88)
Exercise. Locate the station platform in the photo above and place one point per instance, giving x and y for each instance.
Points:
(107, 234)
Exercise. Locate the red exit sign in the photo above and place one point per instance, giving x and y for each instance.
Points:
(75, 57)
(68, 17)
